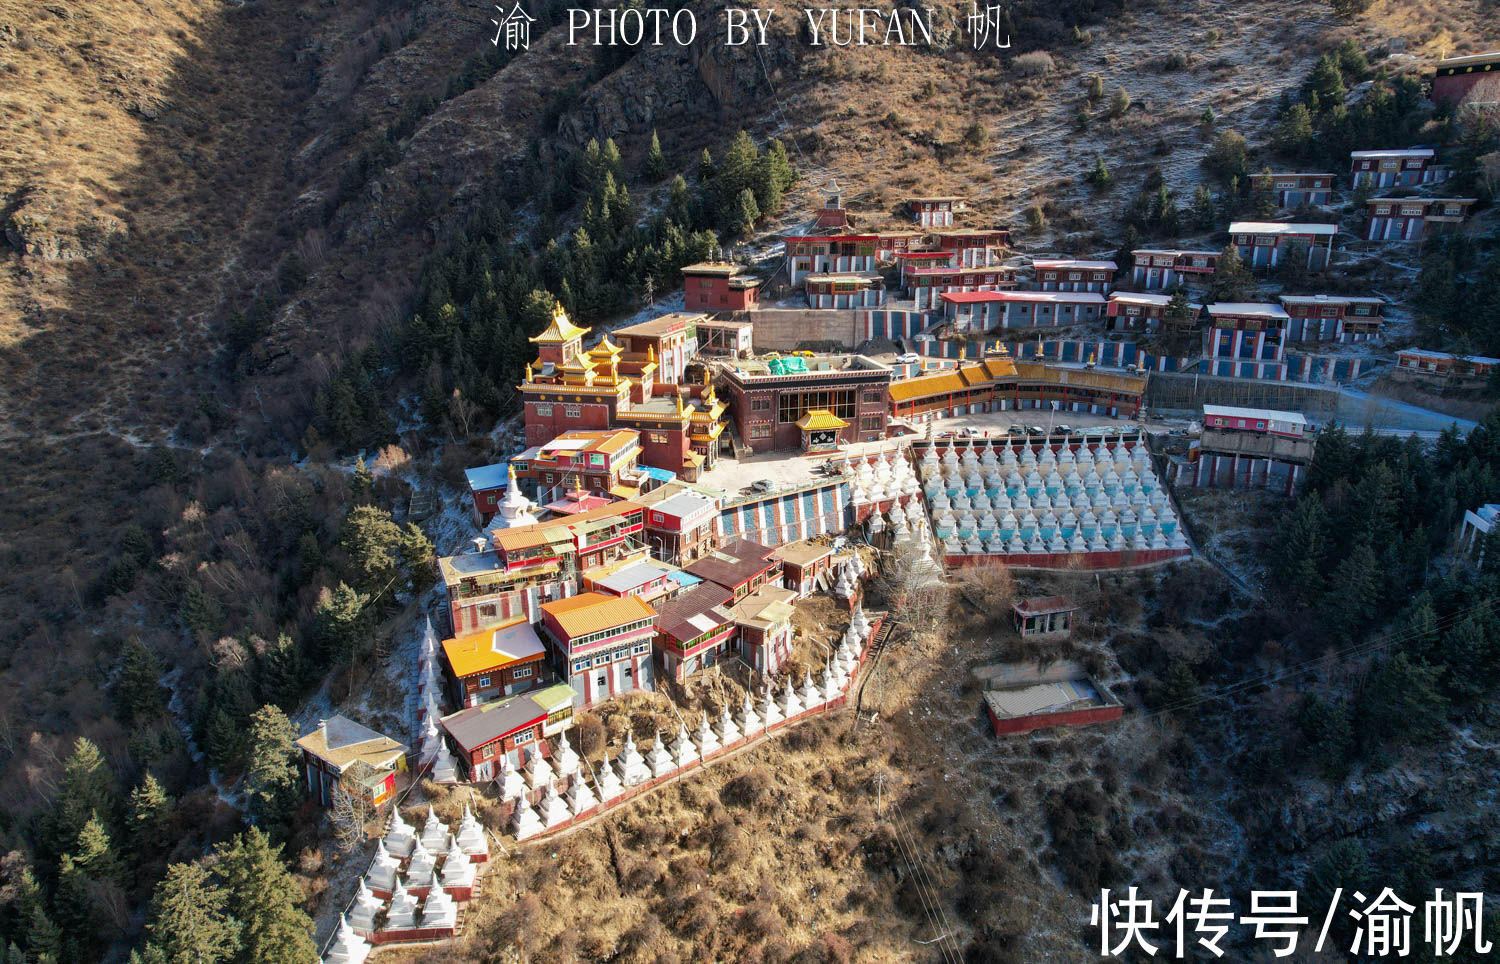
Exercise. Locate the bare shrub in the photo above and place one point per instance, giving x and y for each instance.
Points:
(749, 789)
(1033, 64)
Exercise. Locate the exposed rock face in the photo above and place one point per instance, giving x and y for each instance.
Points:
(27, 229)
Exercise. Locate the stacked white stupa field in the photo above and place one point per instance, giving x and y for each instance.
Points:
(1048, 505)
(414, 886)
(880, 483)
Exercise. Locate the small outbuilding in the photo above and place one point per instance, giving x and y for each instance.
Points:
(1043, 615)
(1020, 698)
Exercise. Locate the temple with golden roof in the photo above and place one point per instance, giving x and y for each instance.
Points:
(569, 387)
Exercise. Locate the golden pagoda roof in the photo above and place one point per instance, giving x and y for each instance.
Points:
(820, 418)
(605, 350)
(560, 330)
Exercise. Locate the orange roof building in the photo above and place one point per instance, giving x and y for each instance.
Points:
(494, 662)
(998, 383)
(601, 643)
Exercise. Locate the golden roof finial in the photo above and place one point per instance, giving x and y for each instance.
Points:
(558, 314)
(679, 402)
(513, 475)
(651, 352)
(528, 371)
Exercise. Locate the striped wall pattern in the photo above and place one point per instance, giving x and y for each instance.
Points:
(787, 517)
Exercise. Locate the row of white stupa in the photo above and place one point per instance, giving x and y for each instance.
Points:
(630, 768)
(882, 477)
(421, 853)
(433, 751)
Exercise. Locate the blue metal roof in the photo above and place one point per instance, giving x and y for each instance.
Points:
(484, 477)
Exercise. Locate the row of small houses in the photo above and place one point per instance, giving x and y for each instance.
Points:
(925, 276)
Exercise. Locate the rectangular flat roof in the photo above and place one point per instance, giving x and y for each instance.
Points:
(1281, 227)
(485, 477)
(1330, 300)
(683, 504)
(1057, 297)
(1071, 263)
(1407, 152)
(1258, 414)
(1042, 698)
(1248, 308)
(1139, 298)
(636, 574)
(1443, 355)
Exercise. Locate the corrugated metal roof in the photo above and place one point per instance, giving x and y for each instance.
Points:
(340, 742)
(593, 612)
(493, 647)
(1040, 698)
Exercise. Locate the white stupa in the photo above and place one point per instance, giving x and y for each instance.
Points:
(609, 782)
(749, 722)
(402, 914)
(770, 712)
(366, 906)
(439, 911)
(399, 836)
(526, 823)
(419, 869)
(347, 947)
(509, 781)
(383, 869)
(552, 809)
(683, 749)
(725, 729)
(458, 869)
(515, 509)
(565, 761)
(471, 836)
(580, 796)
(658, 760)
(434, 833)
(444, 768)
(632, 767)
(705, 739)
(809, 696)
(790, 704)
(538, 771)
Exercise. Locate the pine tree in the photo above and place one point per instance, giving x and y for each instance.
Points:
(1352, 596)
(1099, 176)
(200, 611)
(150, 817)
(190, 922)
(270, 775)
(264, 896)
(1294, 135)
(1327, 81)
(656, 161)
(706, 169)
(1343, 865)
(1203, 208)
(1180, 314)
(1262, 198)
(339, 624)
(1400, 702)
(44, 939)
(1096, 87)
(1207, 118)
(87, 790)
(362, 481)
(372, 541)
(1231, 279)
(1302, 552)
(746, 214)
(1330, 738)
(281, 672)
(1125, 257)
(138, 690)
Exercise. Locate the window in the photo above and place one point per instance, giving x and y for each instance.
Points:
(1260, 424)
(705, 282)
(876, 397)
(549, 478)
(580, 665)
(570, 411)
(1411, 209)
(544, 411)
(1074, 275)
(1382, 209)
(642, 648)
(871, 423)
(525, 736)
(629, 673)
(596, 460)
(656, 517)
(484, 682)
(760, 431)
(522, 672)
(760, 405)
(487, 610)
(658, 438)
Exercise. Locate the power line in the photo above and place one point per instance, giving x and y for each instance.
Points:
(1359, 649)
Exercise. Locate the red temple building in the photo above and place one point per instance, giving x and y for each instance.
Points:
(1291, 190)
(926, 284)
(973, 247)
(718, 286)
(988, 310)
(829, 254)
(1338, 318)
(1455, 77)
(844, 290)
(1404, 168)
(769, 397)
(936, 211)
(1247, 340)
(1412, 218)
(1263, 244)
(1157, 268)
(1066, 274)
(1137, 311)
